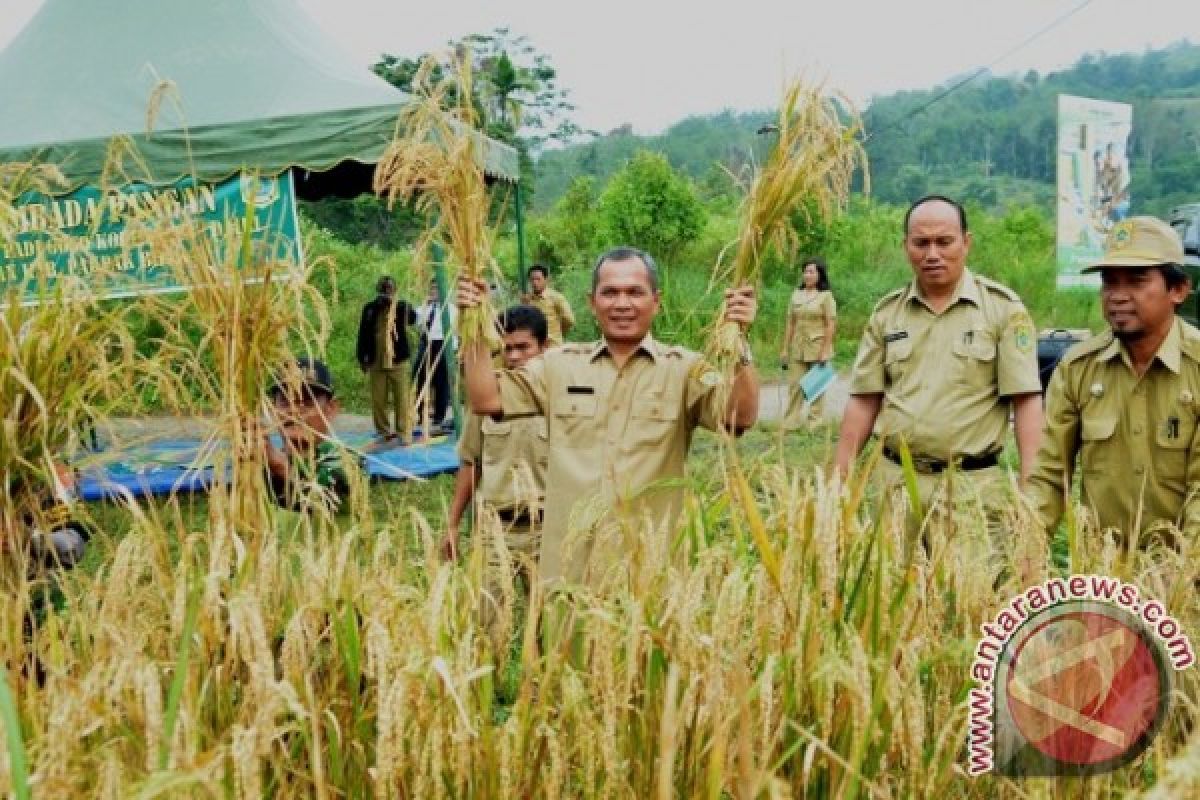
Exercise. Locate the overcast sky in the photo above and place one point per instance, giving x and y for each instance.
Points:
(652, 62)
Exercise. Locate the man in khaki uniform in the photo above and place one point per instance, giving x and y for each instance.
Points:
(619, 412)
(504, 465)
(940, 364)
(551, 302)
(1126, 402)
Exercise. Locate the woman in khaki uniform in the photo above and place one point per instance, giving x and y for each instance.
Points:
(811, 322)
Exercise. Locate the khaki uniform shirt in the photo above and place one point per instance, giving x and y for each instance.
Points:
(511, 455)
(809, 312)
(615, 437)
(946, 378)
(559, 316)
(1136, 438)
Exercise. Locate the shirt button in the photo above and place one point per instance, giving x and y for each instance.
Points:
(1137, 428)
(1138, 470)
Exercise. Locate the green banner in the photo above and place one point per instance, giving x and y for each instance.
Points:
(51, 239)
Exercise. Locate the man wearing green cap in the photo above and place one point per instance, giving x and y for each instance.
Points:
(1126, 402)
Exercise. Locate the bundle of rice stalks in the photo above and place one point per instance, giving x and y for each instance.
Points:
(63, 361)
(436, 159)
(249, 312)
(809, 170)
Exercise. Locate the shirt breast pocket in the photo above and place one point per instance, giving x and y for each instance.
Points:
(652, 423)
(574, 416)
(975, 352)
(897, 355)
(1172, 441)
(1096, 434)
(496, 436)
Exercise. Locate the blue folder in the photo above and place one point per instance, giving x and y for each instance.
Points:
(816, 381)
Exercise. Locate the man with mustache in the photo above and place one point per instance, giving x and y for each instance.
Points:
(620, 414)
(1125, 402)
(941, 364)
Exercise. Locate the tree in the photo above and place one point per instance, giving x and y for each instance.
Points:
(516, 88)
(649, 205)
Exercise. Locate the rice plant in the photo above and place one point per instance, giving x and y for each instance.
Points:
(789, 638)
(437, 161)
(809, 170)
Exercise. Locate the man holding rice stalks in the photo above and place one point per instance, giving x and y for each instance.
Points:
(619, 413)
(1127, 402)
(504, 466)
(941, 363)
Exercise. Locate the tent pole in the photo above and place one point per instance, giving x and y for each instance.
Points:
(522, 280)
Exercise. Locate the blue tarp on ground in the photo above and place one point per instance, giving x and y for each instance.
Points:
(168, 466)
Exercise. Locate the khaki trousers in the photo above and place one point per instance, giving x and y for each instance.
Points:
(393, 382)
(500, 580)
(968, 511)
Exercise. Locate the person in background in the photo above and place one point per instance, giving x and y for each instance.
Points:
(306, 468)
(431, 372)
(808, 339)
(552, 303)
(504, 466)
(383, 353)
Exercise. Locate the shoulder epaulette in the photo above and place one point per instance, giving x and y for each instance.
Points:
(890, 296)
(676, 351)
(1189, 340)
(1087, 347)
(998, 288)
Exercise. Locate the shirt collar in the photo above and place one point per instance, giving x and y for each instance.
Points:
(649, 346)
(1169, 352)
(967, 289)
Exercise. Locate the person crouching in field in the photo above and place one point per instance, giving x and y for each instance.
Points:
(504, 465)
(307, 469)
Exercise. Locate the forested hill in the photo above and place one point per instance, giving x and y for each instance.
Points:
(991, 140)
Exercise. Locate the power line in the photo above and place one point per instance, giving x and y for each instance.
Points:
(950, 90)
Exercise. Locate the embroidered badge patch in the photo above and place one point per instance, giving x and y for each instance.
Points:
(1121, 236)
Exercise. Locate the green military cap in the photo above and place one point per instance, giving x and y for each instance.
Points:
(1139, 242)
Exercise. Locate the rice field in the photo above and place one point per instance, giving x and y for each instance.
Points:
(791, 637)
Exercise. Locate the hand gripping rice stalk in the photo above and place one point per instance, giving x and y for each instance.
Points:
(809, 170)
(436, 160)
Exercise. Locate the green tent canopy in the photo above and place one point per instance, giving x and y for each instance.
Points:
(253, 85)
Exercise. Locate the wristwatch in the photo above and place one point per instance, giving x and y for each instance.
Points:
(746, 357)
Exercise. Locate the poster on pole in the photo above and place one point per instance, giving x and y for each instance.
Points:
(92, 232)
(1093, 180)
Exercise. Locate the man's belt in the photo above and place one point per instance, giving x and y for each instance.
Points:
(519, 518)
(932, 466)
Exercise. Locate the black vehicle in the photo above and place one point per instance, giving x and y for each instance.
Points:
(1185, 220)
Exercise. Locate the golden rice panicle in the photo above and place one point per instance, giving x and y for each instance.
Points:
(436, 161)
(809, 170)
